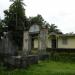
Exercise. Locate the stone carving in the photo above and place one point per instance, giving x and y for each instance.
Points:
(26, 43)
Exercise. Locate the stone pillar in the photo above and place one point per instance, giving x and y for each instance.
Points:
(42, 40)
(26, 43)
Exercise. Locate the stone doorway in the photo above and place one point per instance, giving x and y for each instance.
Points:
(34, 42)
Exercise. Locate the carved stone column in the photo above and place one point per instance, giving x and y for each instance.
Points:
(26, 43)
(42, 41)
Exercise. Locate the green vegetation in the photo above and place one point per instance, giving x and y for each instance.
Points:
(63, 57)
(16, 21)
(44, 68)
(39, 20)
(54, 28)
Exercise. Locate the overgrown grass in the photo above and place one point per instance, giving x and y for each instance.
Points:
(64, 57)
(44, 68)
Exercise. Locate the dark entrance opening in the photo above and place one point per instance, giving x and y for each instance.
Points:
(32, 43)
(53, 41)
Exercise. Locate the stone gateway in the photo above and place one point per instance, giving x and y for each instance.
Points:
(35, 39)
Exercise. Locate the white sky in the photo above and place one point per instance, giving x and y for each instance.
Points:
(59, 12)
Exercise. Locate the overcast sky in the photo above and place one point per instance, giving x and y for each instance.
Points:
(59, 12)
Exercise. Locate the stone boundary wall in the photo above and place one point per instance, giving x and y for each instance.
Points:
(23, 61)
(20, 61)
(69, 50)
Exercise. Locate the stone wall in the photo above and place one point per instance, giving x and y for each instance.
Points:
(7, 45)
(20, 61)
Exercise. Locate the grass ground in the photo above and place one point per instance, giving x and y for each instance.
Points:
(44, 68)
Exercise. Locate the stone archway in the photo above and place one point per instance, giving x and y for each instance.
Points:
(35, 38)
(34, 32)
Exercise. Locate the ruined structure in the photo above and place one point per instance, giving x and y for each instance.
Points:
(35, 39)
(38, 39)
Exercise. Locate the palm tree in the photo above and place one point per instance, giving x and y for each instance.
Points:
(17, 13)
(54, 28)
(15, 19)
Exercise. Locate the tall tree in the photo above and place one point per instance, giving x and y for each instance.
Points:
(1, 28)
(38, 20)
(16, 20)
(15, 16)
(2, 25)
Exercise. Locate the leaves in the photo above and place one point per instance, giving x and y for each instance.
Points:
(16, 20)
(38, 20)
(54, 28)
(15, 17)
